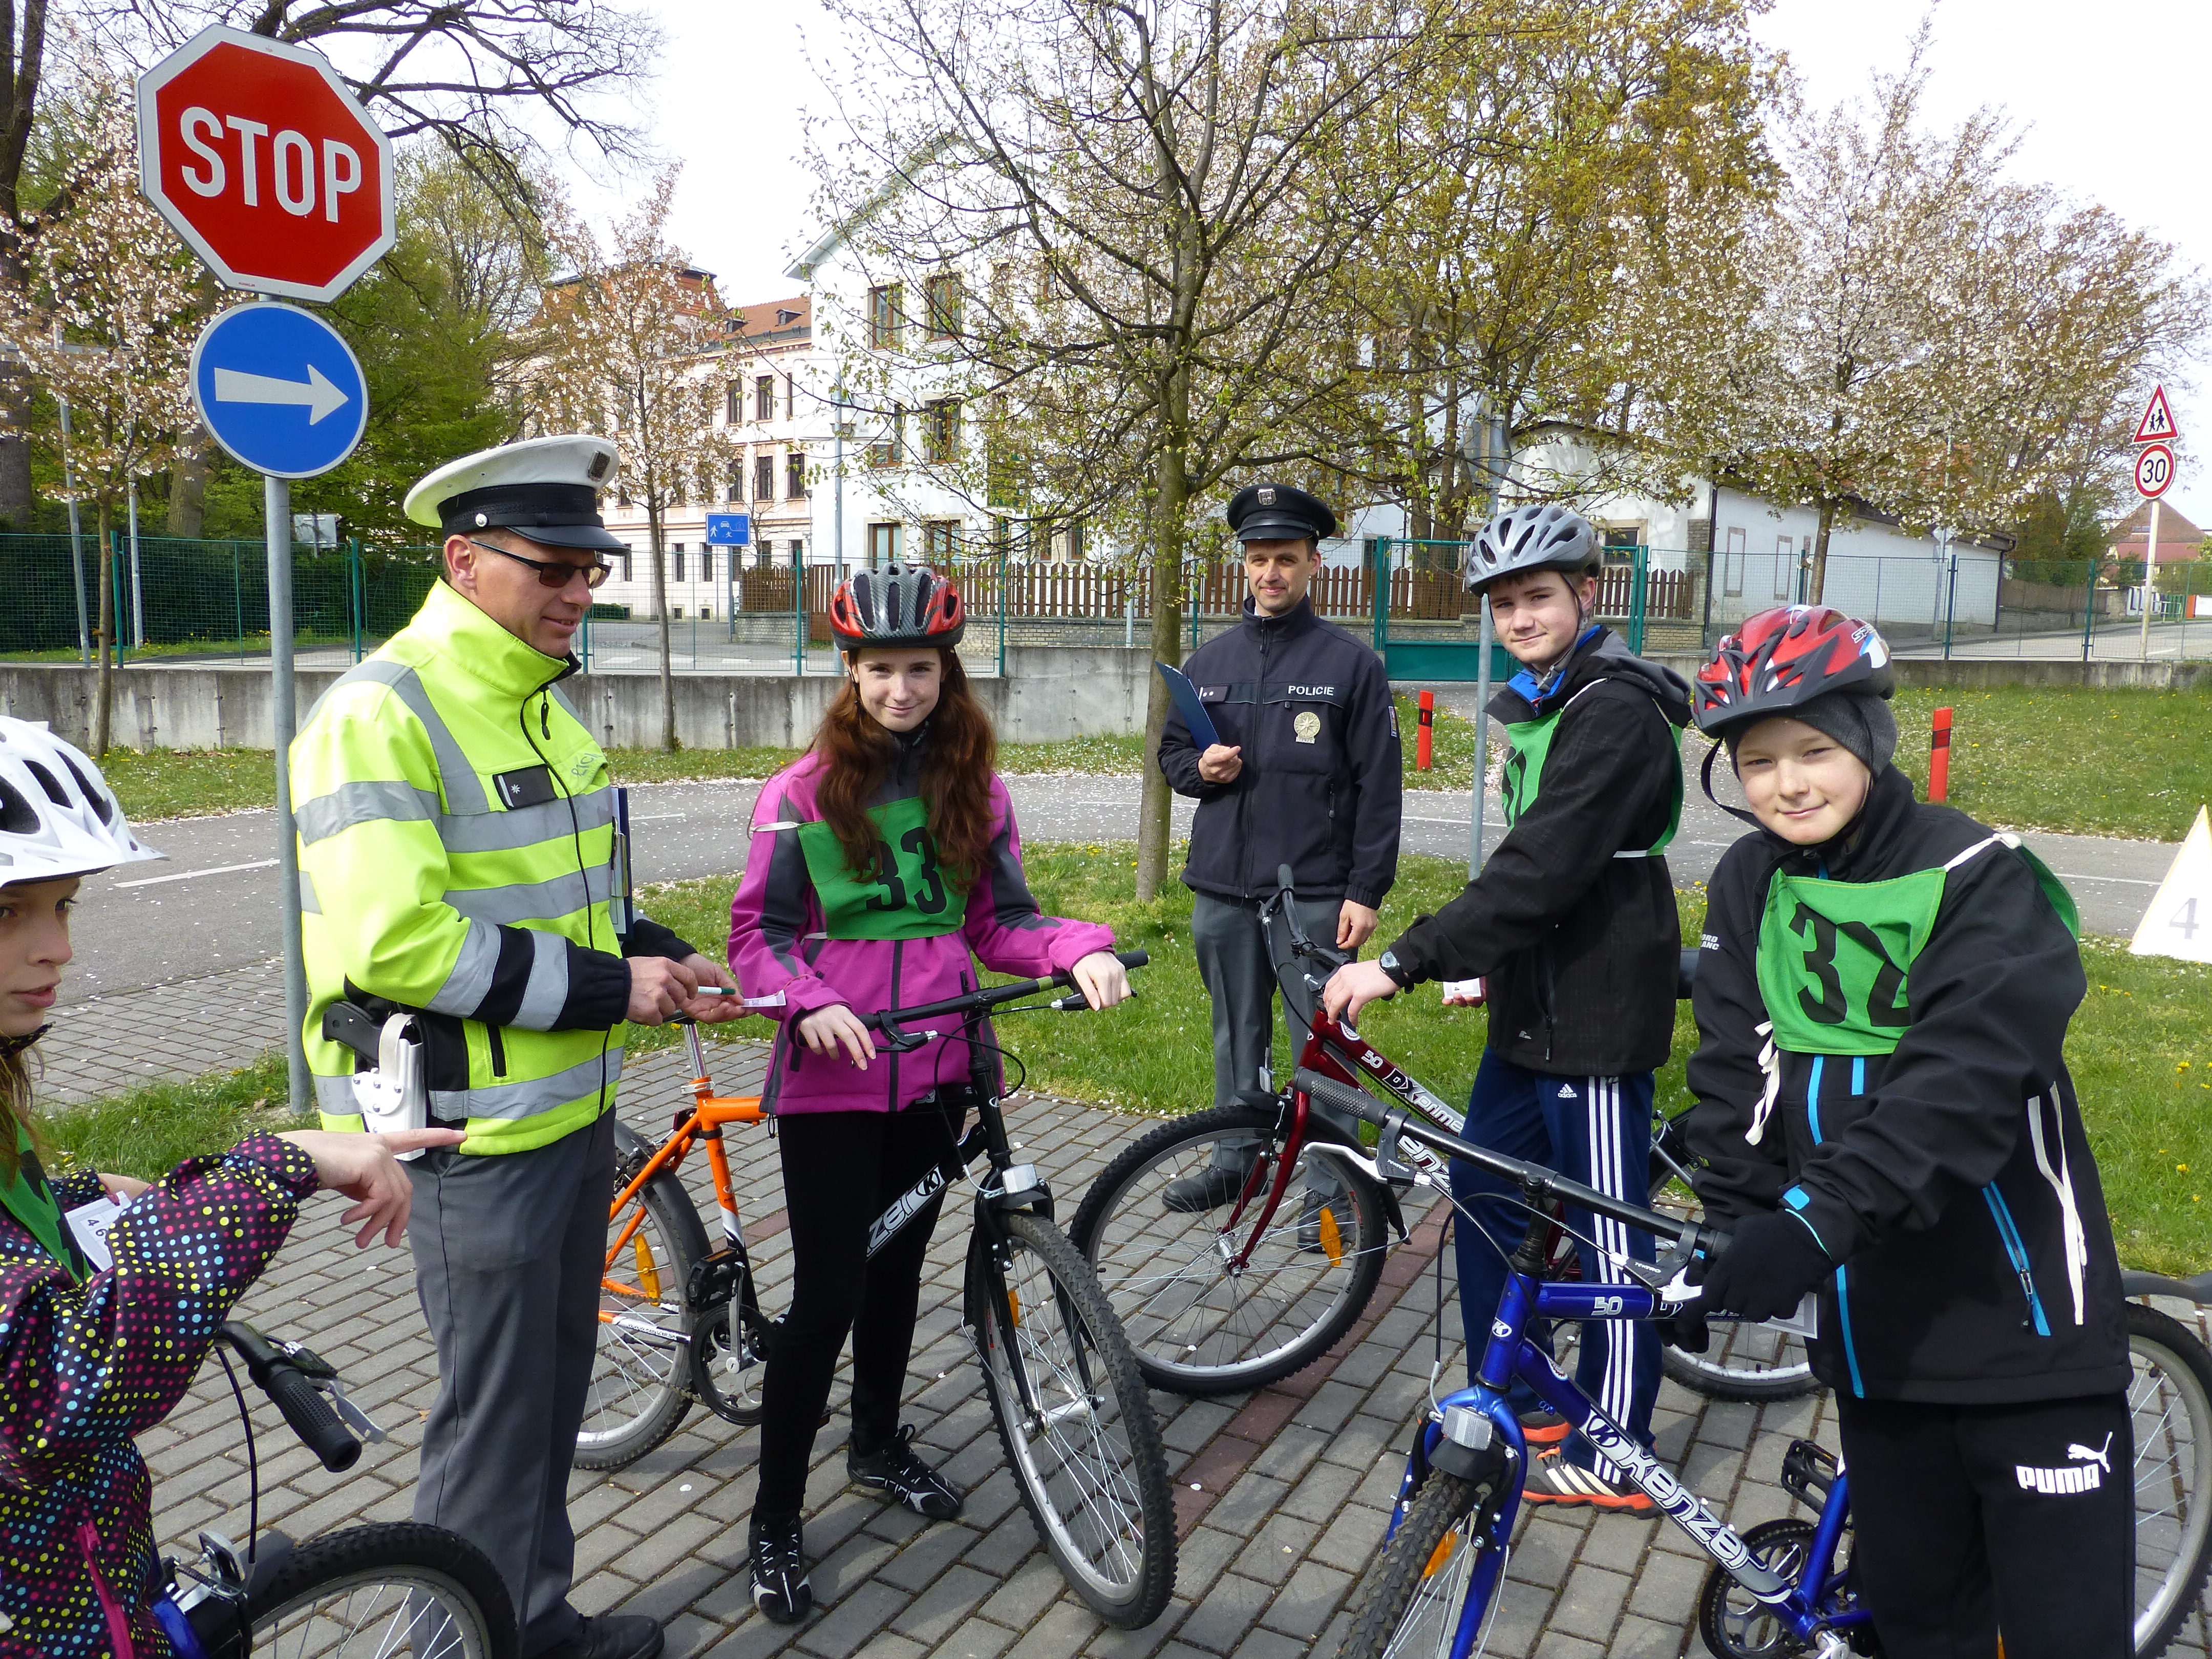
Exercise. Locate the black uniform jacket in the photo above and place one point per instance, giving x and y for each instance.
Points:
(1321, 785)
(1918, 1169)
(1582, 949)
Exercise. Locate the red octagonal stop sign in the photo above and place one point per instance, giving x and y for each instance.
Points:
(261, 159)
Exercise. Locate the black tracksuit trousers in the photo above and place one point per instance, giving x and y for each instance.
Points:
(1965, 1519)
(841, 1171)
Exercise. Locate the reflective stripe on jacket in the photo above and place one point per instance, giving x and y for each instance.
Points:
(455, 833)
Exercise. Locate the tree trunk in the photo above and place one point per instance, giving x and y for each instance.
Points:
(103, 703)
(1155, 812)
(15, 501)
(1819, 583)
(187, 496)
(660, 608)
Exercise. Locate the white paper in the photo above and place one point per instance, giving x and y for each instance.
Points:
(89, 1225)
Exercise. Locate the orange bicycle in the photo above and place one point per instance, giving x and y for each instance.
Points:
(678, 1321)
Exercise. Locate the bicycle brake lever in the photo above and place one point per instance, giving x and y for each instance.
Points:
(1388, 1163)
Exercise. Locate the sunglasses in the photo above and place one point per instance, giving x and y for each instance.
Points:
(551, 574)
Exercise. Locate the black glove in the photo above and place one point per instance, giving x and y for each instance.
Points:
(1767, 1270)
(1684, 1328)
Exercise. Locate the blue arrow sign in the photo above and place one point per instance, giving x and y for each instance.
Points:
(279, 389)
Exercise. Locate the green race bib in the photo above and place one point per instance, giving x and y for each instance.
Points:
(31, 1201)
(1529, 745)
(1834, 957)
(904, 896)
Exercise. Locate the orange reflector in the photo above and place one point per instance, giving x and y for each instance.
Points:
(647, 1271)
(1445, 1546)
(1014, 1305)
(1332, 1239)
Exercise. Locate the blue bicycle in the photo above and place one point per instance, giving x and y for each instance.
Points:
(1780, 1589)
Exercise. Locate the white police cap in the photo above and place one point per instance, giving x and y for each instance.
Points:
(545, 489)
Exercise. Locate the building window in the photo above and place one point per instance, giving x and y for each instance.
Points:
(764, 397)
(1785, 566)
(794, 476)
(889, 450)
(763, 479)
(942, 296)
(677, 553)
(884, 305)
(1620, 543)
(626, 574)
(937, 538)
(736, 401)
(940, 432)
(734, 495)
(882, 544)
(1732, 563)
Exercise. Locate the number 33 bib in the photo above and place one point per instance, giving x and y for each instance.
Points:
(904, 894)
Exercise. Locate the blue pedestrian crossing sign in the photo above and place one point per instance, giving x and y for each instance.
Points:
(279, 389)
(729, 529)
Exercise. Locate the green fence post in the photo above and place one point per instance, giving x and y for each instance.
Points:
(1638, 588)
(2089, 615)
(354, 589)
(1004, 550)
(799, 609)
(115, 592)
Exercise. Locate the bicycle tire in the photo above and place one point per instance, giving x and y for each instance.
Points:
(1196, 1328)
(1409, 1605)
(2170, 1401)
(1100, 1502)
(444, 1592)
(641, 1369)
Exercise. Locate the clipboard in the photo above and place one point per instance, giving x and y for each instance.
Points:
(1189, 705)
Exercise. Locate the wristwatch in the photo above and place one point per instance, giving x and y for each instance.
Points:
(1399, 974)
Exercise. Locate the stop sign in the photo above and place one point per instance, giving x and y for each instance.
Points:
(261, 159)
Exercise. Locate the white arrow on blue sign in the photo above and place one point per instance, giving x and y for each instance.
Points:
(279, 389)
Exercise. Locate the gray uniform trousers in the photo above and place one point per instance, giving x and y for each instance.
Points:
(1235, 963)
(509, 1250)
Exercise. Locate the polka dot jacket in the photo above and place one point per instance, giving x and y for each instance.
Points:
(84, 1367)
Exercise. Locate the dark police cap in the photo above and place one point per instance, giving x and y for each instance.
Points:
(1273, 512)
(545, 489)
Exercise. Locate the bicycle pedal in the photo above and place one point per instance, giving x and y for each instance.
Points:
(1808, 1472)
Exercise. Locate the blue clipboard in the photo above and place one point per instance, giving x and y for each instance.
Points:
(1189, 705)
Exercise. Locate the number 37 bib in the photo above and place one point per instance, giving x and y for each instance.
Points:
(902, 895)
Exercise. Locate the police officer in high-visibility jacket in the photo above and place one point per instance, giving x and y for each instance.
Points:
(456, 833)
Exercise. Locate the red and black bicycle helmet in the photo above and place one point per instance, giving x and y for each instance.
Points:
(1781, 659)
(899, 605)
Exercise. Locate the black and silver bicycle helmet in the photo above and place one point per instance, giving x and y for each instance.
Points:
(1531, 539)
(899, 605)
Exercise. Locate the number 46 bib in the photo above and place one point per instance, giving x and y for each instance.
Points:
(1835, 957)
(904, 894)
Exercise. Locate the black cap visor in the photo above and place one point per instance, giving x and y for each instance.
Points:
(550, 514)
(1267, 526)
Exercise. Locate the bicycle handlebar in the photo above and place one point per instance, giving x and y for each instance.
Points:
(989, 997)
(280, 1375)
(1551, 1183)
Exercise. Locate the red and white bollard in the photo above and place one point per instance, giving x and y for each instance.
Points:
(1939, 756)
(1421, 741)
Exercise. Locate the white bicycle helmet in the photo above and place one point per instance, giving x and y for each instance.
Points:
(1531, 539)
(57, 816)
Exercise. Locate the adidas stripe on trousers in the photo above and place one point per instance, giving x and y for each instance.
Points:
(1597, 1130)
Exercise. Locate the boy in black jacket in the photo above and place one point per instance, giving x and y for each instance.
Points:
(1572, 921)
(1886, 1118)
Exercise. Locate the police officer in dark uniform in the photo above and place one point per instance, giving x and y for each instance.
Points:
(1306, 773)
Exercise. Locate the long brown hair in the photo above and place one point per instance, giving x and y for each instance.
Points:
(15, 1108)
(955, 773)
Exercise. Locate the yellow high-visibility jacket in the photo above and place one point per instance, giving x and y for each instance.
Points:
(456, 833)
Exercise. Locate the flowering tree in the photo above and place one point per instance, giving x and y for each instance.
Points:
(630, 346)
(103, 319)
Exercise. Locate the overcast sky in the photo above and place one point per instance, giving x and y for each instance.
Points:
(2101, 91)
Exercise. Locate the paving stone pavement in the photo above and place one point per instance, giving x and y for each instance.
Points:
(187, 1027)
(1293, 1483)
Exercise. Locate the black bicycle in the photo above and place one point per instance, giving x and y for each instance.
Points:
(364, 1593)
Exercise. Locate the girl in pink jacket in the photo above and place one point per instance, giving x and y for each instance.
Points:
(879, 862)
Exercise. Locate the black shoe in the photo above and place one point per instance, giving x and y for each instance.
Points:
(1209, 1189)
(779, 1563)
(1311, 1239)
(613, 1636)
(893, 1467)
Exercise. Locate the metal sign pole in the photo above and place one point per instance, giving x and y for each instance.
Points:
(1481, 744)
(276, 498)
(2150, 582)
(138, 586)
(77, 541)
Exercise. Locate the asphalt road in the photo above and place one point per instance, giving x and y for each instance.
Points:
(213, 904)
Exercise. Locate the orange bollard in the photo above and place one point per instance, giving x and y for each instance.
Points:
(1939, 756)
(1421, 741)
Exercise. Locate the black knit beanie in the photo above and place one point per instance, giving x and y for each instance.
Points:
(1860, 721)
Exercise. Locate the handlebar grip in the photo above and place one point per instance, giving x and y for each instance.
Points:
(311, 1416)
(1283, 881)
(1341, 1096)
(1132, 958)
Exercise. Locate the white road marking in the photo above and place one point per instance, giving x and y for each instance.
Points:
(187, 875)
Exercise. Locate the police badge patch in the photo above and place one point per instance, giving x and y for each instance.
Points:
(1307, 725)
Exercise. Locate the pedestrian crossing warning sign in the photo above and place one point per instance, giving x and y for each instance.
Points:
(2157, 424)
(2179, 920)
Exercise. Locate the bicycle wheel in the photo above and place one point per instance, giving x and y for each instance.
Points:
(1199, 1325)
(2169, 1400)
(1746, 1362)
(398, 1587)
(1410, 1608)
(641, 1373)
(1080, 1436)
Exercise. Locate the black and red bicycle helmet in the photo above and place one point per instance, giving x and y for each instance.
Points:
(899, 605)
(1782, 658)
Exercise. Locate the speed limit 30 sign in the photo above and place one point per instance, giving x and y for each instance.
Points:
(2154, 470)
